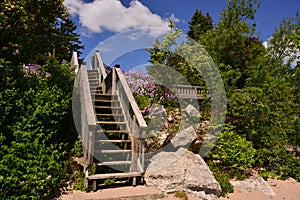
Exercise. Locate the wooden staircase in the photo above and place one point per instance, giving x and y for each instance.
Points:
(112, 125)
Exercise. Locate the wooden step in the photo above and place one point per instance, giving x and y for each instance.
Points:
(93, 84)
(114, 163)
(113, 151)
(110, 122)
(107, 95)
(113, 175)
(111, 141)
(106, 100)
(109, 115)
(107, 107)
(114, 131)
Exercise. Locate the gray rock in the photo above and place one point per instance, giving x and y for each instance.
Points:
(182, 171)
(191, 111)
(184, 138)
(254, 183)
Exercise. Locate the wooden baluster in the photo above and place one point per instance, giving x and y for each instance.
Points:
(134, 147)
(113, 82)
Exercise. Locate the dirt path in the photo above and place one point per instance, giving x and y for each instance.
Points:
(285, 190)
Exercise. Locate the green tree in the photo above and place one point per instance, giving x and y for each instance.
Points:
(27, 28)
(233, 45)
(282, 46)
(199, 24)
(65, 40)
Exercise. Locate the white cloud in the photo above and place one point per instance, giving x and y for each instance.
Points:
(113, 16)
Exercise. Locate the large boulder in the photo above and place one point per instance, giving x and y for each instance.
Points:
(182, 171)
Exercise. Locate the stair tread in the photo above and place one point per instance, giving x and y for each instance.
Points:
(115, 163)
(114, 175)
(109, 115)
(105, 100)
(114, 151)
(106, 107)
(114, 140)
(114, 131)
(113, 95)
(110, 122)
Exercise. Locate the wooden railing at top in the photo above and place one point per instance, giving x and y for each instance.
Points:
(116, 84)
(97, 64)
(188, 91)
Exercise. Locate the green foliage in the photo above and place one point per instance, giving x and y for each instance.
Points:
(221, 176)
(283, 45)
(224, 181)
(77, 150)
(29, 32)
(181, 195)
(109, 181)
(262, 85)
(233, 150)
(33, 133)
(142, 101)
(79, 181)
(199, 25)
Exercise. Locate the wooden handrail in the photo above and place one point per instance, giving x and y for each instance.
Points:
(131, 100)
(87, 116)
(85, 91)
(97, 64)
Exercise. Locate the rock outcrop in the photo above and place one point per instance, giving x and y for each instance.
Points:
(182, 171)
(192, 111)
(184, 138)
(254, 183)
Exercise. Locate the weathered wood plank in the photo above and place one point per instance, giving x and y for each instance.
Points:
(85, 90)
(100, 64)
(132, 102)
(114, 163)
(110, 122)
(114, 151)
(114, 175)
(114, 141)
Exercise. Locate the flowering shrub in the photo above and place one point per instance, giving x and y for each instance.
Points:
(35, 69)
(152, 98)
(148, 92)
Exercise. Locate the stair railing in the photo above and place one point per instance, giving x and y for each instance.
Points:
(133, 116)
(97, 64)
(87, 116)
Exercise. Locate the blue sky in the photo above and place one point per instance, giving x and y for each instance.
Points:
(104, 24)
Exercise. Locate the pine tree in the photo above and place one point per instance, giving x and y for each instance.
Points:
(28, 31)
(65, 40)
(199, 24)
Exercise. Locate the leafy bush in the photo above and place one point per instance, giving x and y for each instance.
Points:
(230, 158)
(34, 127)
(233, 150)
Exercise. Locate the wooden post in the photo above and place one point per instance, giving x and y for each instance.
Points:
(91, 141)
(134, 144)
(113, 82)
